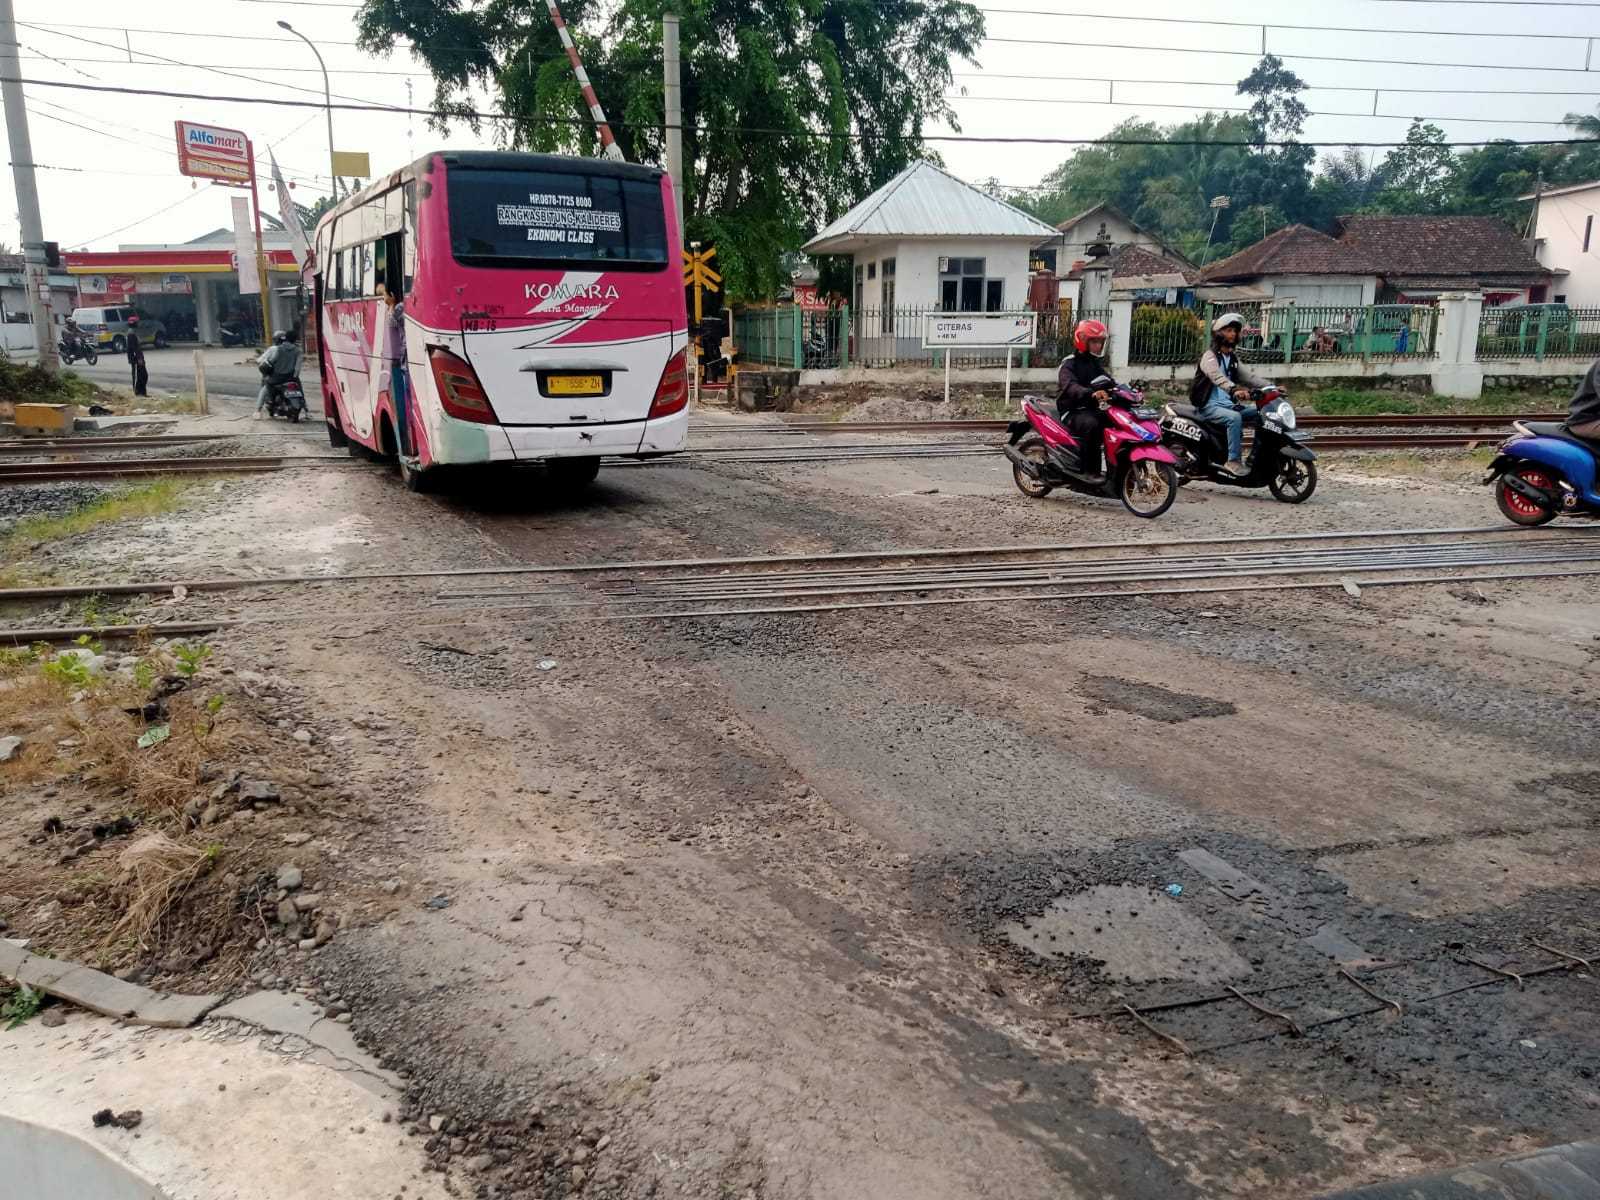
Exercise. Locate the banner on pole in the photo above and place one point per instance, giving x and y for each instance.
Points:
(289, 215)
(244, 248)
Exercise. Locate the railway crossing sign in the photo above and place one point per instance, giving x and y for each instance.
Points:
(697, 269)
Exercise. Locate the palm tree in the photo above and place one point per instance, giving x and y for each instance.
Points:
(1585, 125)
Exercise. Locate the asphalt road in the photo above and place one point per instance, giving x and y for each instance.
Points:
(228, 372)
(810, 906)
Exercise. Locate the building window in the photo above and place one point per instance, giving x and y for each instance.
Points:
(886, 289)
(1588, 228)
(861, 287)
(963, 288)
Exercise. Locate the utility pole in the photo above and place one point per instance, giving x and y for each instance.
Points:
(674, 110)
(33, 248)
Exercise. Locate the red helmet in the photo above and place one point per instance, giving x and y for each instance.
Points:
(1086, 332)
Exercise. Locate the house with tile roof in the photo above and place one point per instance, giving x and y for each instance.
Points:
(1387, 259)
(1139, 260)
(1567, 241)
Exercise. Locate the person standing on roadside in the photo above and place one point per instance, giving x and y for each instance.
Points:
(141, 377)
(394, 353)
(1583, 415)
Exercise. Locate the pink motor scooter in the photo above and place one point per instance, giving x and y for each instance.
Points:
(1139, 470)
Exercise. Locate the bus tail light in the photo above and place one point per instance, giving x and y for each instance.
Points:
(672, 393)
(460, 392)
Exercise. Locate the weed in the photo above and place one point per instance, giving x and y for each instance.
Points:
(142, 500)
(15, 660)
(190, 657)
(144, 674)
(21, 1005)
(69, 670)
(1350, 402)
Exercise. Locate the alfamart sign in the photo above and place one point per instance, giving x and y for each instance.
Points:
(211, 152)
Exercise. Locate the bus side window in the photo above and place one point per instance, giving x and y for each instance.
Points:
(390, 252)
(380, 272)
(368, 287)
(408, 249)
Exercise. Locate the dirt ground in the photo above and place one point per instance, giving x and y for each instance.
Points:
(847, 904)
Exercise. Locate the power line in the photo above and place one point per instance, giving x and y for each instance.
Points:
(148, 217)
(1398, 62)
(1219, 108)
(1311, 87)
(1341, 58)
(815, 135)
(123, 62)
(1271, 25)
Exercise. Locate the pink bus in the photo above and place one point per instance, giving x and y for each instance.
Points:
(544, 314)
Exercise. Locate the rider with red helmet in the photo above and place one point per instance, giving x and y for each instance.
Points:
(1077, 401)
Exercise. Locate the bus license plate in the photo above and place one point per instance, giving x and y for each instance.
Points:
(574, 385)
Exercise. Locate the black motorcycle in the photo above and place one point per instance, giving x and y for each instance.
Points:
(1278, 461)
(286, 398)
(72, 349)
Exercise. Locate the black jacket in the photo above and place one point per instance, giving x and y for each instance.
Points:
(135, 351)
(1075, 376)
(1586, 403)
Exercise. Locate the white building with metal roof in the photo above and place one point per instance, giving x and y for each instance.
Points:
(929, 241)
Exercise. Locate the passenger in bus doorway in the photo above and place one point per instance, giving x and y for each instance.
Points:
(394, 353)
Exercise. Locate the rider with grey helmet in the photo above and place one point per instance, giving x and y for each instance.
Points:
(1222, 379)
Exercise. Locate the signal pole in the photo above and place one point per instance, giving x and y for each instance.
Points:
(33, 249)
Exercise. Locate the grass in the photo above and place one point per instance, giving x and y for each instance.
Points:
(1351, 402)
(26, 384)
(142, 500)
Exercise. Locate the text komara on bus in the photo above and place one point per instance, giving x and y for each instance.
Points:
(544, 313)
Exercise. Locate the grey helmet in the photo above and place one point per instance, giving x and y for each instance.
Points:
(1226, 319)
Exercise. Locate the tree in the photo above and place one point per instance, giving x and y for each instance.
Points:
(1417, 177)
(1277, 113)
(312, 213)
(792, 109)
(1584, 125)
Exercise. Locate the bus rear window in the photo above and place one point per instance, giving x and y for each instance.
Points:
(501, 218)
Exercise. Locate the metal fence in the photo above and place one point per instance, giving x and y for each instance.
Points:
(808, 339)
(1539, 331)
(1284, 333)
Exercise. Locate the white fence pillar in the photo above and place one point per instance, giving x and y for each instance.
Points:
(1458, 372)
(1121, 334)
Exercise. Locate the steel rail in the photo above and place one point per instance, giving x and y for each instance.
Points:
(1016, 585)
(1000, 570)
(415, 618)
(108, 588)
(1311, 420)
(948, 601)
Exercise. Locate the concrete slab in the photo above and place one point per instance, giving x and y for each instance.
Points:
(1139, 935)
(102, 993)
(225, 1116)
(1559, 1173)
(124, 424)
(328, 1042)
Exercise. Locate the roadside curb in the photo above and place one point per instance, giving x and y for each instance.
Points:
(102, 993)
(1569, 1172)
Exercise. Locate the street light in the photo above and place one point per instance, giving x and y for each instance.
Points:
(327, 100)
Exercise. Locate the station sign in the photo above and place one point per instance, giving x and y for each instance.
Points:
(978, 330)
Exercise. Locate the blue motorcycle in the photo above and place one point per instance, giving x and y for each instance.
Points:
(1544, 471)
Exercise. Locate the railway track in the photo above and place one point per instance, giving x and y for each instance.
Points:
(90, 445)
(126, 468)
(893, 577)
(1452, 421)
(775, 453)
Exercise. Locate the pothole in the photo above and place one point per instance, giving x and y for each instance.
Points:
(1153, 702)
(1138, 934)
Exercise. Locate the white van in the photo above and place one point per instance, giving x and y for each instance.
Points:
(108, 326)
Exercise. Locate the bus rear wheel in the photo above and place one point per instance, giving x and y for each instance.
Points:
(573, 472)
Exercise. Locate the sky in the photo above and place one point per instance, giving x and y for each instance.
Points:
(109, 174)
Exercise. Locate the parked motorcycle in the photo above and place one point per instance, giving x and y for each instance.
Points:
(1139, 470)
(1278, 462)
(287, 399)
(231, 335)
(72, 350)
(1543, 471)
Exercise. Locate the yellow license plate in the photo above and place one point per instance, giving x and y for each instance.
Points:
(574, 385)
